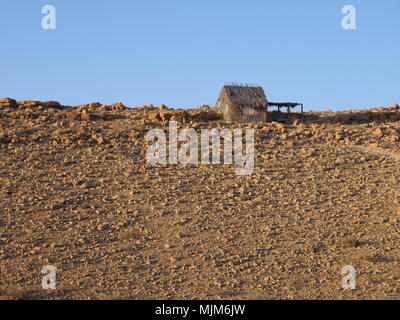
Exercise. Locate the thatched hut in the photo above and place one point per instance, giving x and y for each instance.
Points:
(242, 104)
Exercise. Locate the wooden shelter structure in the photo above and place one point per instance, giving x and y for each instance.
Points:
(242, 103)
(288, 106)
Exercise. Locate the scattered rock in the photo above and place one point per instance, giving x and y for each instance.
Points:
(7, 103)
(86, 116)
(118, 106)
(81, 194)
(29, 103)
(378, 133)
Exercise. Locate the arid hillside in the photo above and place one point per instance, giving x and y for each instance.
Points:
(77, 193)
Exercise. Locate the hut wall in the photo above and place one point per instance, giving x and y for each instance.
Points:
(230, 114)
(248, 111)
(258, 116)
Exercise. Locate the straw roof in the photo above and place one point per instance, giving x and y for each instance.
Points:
(284, 104)
(243, 96)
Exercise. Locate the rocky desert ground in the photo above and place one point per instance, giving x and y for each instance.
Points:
(77, 193)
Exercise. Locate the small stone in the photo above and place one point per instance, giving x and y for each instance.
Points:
(378, 133)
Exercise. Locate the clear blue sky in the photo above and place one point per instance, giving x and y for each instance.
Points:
(181, 52)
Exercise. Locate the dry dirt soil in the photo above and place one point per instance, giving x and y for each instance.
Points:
(76, 193)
